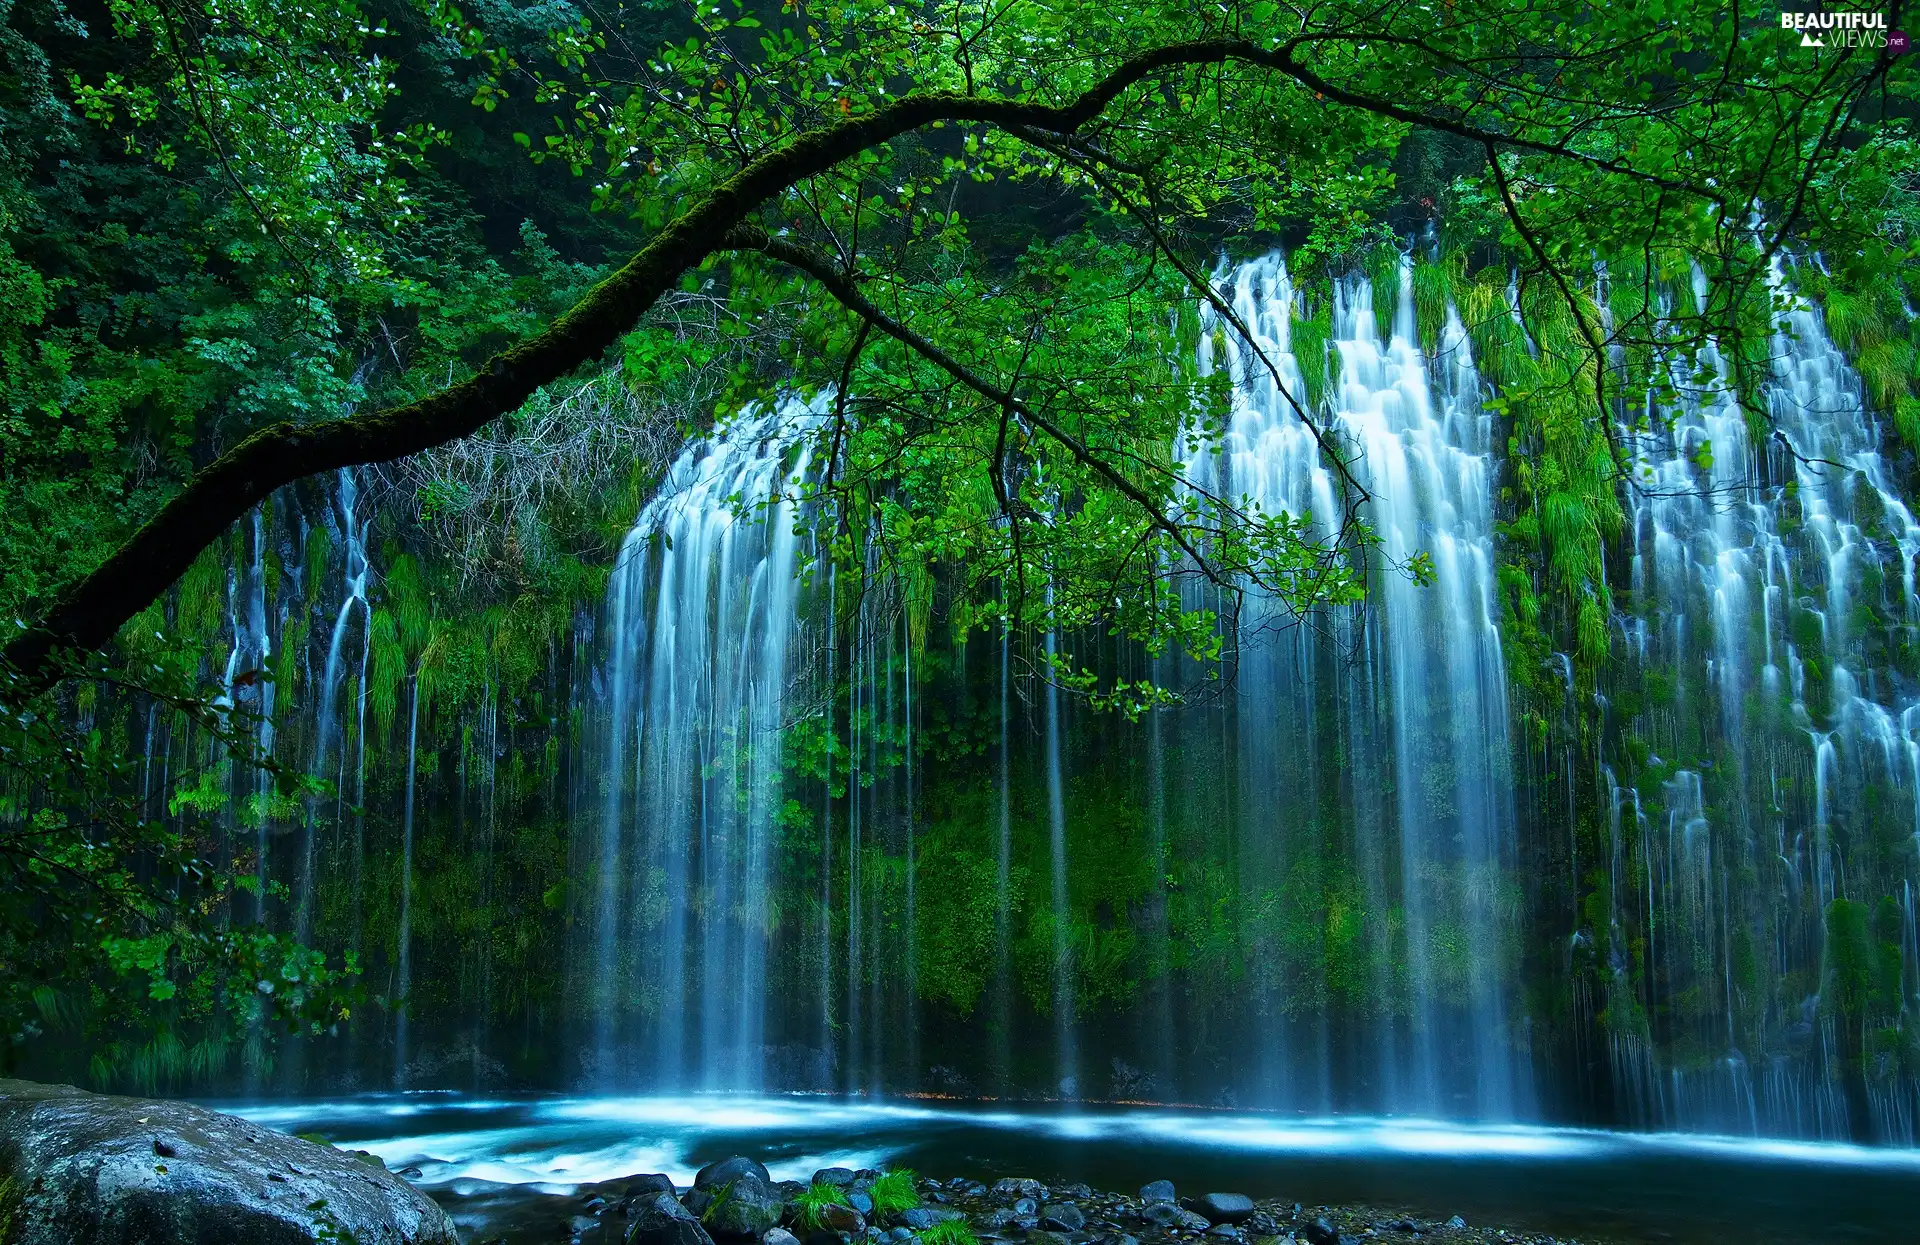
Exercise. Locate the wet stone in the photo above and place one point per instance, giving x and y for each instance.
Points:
(1062, 1217)
(1223, 1207)
(728, 1170)
(1321, 1232)
(1026, 1206)
(838, 1177)
(1158, 1191)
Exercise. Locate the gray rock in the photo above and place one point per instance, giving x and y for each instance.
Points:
(900, 1234)
(1223, 1207)
(789, 1189)
(1158, 1191)
(1062, 1217)
(1026, 1206)
(728, 1170)
(648, 1185)
(96, 1169)
(1456, 1222)
(838, 1177)
(659, 1219)
(1225, 1232)
(920, 1218)
(779, 1236)
(1192, 1222)
(744, 1210)
(994, 1220)
(1019, 1186)
(1161, 1214)
(1321, 1232)
(861, 1201)
(1044, 1237)
(1073, 1191)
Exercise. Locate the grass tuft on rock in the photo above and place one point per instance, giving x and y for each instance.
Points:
(893, 1192)
(816, 1198)
(949, 1232)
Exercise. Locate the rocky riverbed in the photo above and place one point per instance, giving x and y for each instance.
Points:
(736, 1202)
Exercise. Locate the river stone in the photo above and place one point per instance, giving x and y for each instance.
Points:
(1191, 1222)
(838, 1218)
(1161, 1214)
(1026, 1206)
(728, 1170)
(647, 1185)
(743, 1210)
(1456, 1222)
(659, 1219)
(1223, 1207)
(995, 1220)
(97, 1169)
(1321, 1232)
(861, 1201)
(779, 1236)
(838, 1177)
(1044, 1237)
(1019, 1186)
(1158, 1191)
(1062, 1217)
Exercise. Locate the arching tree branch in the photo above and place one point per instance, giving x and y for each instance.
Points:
(88, 614)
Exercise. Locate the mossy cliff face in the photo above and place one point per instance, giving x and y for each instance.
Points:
(1700, 915)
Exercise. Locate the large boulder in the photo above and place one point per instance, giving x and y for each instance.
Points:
(94, 1169)
(744, 1209)
(726, 1171)
(659, 1219)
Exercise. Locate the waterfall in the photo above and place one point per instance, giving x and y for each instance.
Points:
(1066, 1052)
(1370, 744)
(1773, 582)
(403, 959)
(703, 606)
(353, 530)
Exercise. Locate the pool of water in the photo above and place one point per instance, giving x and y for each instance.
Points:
(500, 1162)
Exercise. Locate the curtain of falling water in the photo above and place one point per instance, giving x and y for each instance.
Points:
(702, 606)
(1780, 778)
(1371, 746)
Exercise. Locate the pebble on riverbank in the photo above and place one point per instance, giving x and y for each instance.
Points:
(1011, 1211)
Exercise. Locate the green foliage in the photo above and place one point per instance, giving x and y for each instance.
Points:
(813, 1200)
(893, 1192)
(950, 1232)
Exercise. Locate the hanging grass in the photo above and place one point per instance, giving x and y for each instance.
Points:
(1382, 268)
(1432, 295)
(1313, 353)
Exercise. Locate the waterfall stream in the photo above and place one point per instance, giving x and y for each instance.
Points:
(1774, 592)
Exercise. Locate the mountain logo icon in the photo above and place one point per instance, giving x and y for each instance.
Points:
(1812, 41)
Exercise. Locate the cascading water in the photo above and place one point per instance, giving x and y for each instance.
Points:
(1765, 854)
(702, 610)
(1369, 745)
(330, 740)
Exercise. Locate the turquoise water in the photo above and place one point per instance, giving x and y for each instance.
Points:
(500, 1163)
